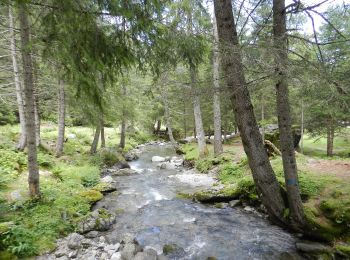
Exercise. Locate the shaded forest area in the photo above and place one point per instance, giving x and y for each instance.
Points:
(255, 90)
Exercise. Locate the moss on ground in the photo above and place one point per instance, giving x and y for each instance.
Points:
(326, 198)
(69, 185)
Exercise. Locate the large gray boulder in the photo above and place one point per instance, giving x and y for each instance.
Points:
(148, 254)
(74, 241)
(98, 220)
(312, 247)
(131, 155)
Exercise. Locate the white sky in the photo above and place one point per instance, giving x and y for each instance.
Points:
(318, 20)
(308, 25)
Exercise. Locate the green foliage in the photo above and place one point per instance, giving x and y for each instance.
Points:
(7, 115)
(89, 180)
(139, 138)
(11, 164)
(19, 241)
(45, 160)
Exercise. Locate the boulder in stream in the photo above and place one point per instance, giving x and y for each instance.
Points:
(158, 159)
(124, 172)
(98, 220)
(131, 155)
(311, 247)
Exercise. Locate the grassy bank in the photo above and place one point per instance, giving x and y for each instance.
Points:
(69, 186)
(324, 186)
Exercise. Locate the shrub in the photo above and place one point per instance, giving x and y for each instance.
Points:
(19, 241)
(90, 181)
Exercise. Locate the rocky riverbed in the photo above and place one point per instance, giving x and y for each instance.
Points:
(145, 219)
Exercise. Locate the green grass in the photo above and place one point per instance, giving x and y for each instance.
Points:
(69, 185)
(326, 197)
(317, 146)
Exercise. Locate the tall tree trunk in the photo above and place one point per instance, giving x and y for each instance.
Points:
(29, 100)
(19, 92)
(284, 118)
(202, 147)
(164, 95)
(265, 180)
(122, 134)
(123, 124)
(216, 98)
(330, 139)
(103, 139)
(185, 118)
(61, 118)
(96, 138)
(36, 101)
(302, 128)
(159, 124)
(262, 118)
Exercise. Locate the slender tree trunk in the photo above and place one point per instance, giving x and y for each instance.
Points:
(103, 139)
(29, 100)
(19, 92)
(36, 101)
(330, 139)
(216, 98)
(123, 124)
(164, 94)
(262, 118)
(302, 128)
(202, 147)
(265, 180)
(61, 118)
(96, 138)
(159, 124)
(185, 119)
(122, 134)
(284, 118)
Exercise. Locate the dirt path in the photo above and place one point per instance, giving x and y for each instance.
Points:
(337, 168)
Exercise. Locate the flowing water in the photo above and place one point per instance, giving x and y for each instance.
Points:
(149, 210)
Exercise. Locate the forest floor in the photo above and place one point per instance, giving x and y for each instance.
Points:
(69, 185)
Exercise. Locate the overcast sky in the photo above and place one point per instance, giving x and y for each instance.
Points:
(308, 26)
(318, 20)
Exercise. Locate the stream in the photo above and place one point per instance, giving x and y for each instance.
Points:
(150, 211)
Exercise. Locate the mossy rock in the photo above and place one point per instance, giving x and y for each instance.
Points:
(5, 227)
(5, 255)
(92, 196)
(321, 226)
(338, 210)
(173, 251)
(343, 249)
(104, 187)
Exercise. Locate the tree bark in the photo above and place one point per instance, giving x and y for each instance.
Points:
(262, 118)
(19, 92)
(302, 128)
(36, 102)
(96, 138)
(202, 147)
(330, 139)
(29, 101)
(284, 119)
(164, 95)
(265, 180)
(216, 97)
(103, 139)
(61, 118)
(123, 124)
